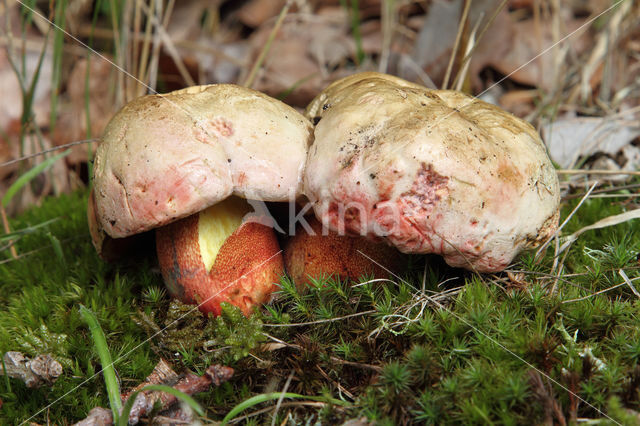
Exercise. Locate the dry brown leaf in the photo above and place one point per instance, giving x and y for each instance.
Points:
(569, 138)
(225, 62)
(303, 55)
(56, 180)
(77, 12)
(434, 45)
(256, 12)
(521, 4)
(371, 32)
(519, 102)
(435, 41)
(9, 148)
(496, 43)
(186, 17)
(519, 63)
(214, 51)
(507, 45)
(72, 121)
(367, 8)
(627, 159)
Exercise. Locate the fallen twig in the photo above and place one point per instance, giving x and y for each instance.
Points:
(7, 230)
(283, 344)
(162, 374)
(544, 394)
(189, 384)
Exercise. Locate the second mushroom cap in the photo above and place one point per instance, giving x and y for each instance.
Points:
(430, 171)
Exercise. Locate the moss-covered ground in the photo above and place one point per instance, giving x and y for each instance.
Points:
(540, 342)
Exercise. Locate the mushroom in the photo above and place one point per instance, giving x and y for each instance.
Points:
(182, 163)
(429, 171)
(309, 255)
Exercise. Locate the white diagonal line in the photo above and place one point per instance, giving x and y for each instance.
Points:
(440, 120)
(86, 46)
(116, 66)
(473, 99)
(46, 151)
(149, 338)
(189, 114)
(494, 341)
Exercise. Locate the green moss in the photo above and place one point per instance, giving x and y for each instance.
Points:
(233, 331)
(442, 347)
(39, 299)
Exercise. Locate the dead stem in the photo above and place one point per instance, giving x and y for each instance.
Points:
(336, 384)
(263, 53)
(469, 54)
(545, 395)
(282, 394)
(283, 405)
(300, 324)
(456, 45)
(145, 401)
(597, 172)
(594, 294)
(333, 358)
(538, 255)
(167, 42)
(7, 230)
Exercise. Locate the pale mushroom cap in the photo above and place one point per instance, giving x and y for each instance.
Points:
(430, 171)
(164, 157)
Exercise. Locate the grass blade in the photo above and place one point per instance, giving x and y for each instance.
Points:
(354, 13)
(57, 248)
(109, 373)
(6, 376)
(263, 53)
(286, 92)
(603, 223)
(272, 396)
(58, 44)
(28, 230)
(30, 175)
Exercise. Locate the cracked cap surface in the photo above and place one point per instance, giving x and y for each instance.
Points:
(429, 171)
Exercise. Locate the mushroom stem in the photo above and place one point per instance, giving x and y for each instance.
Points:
(214, 256)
